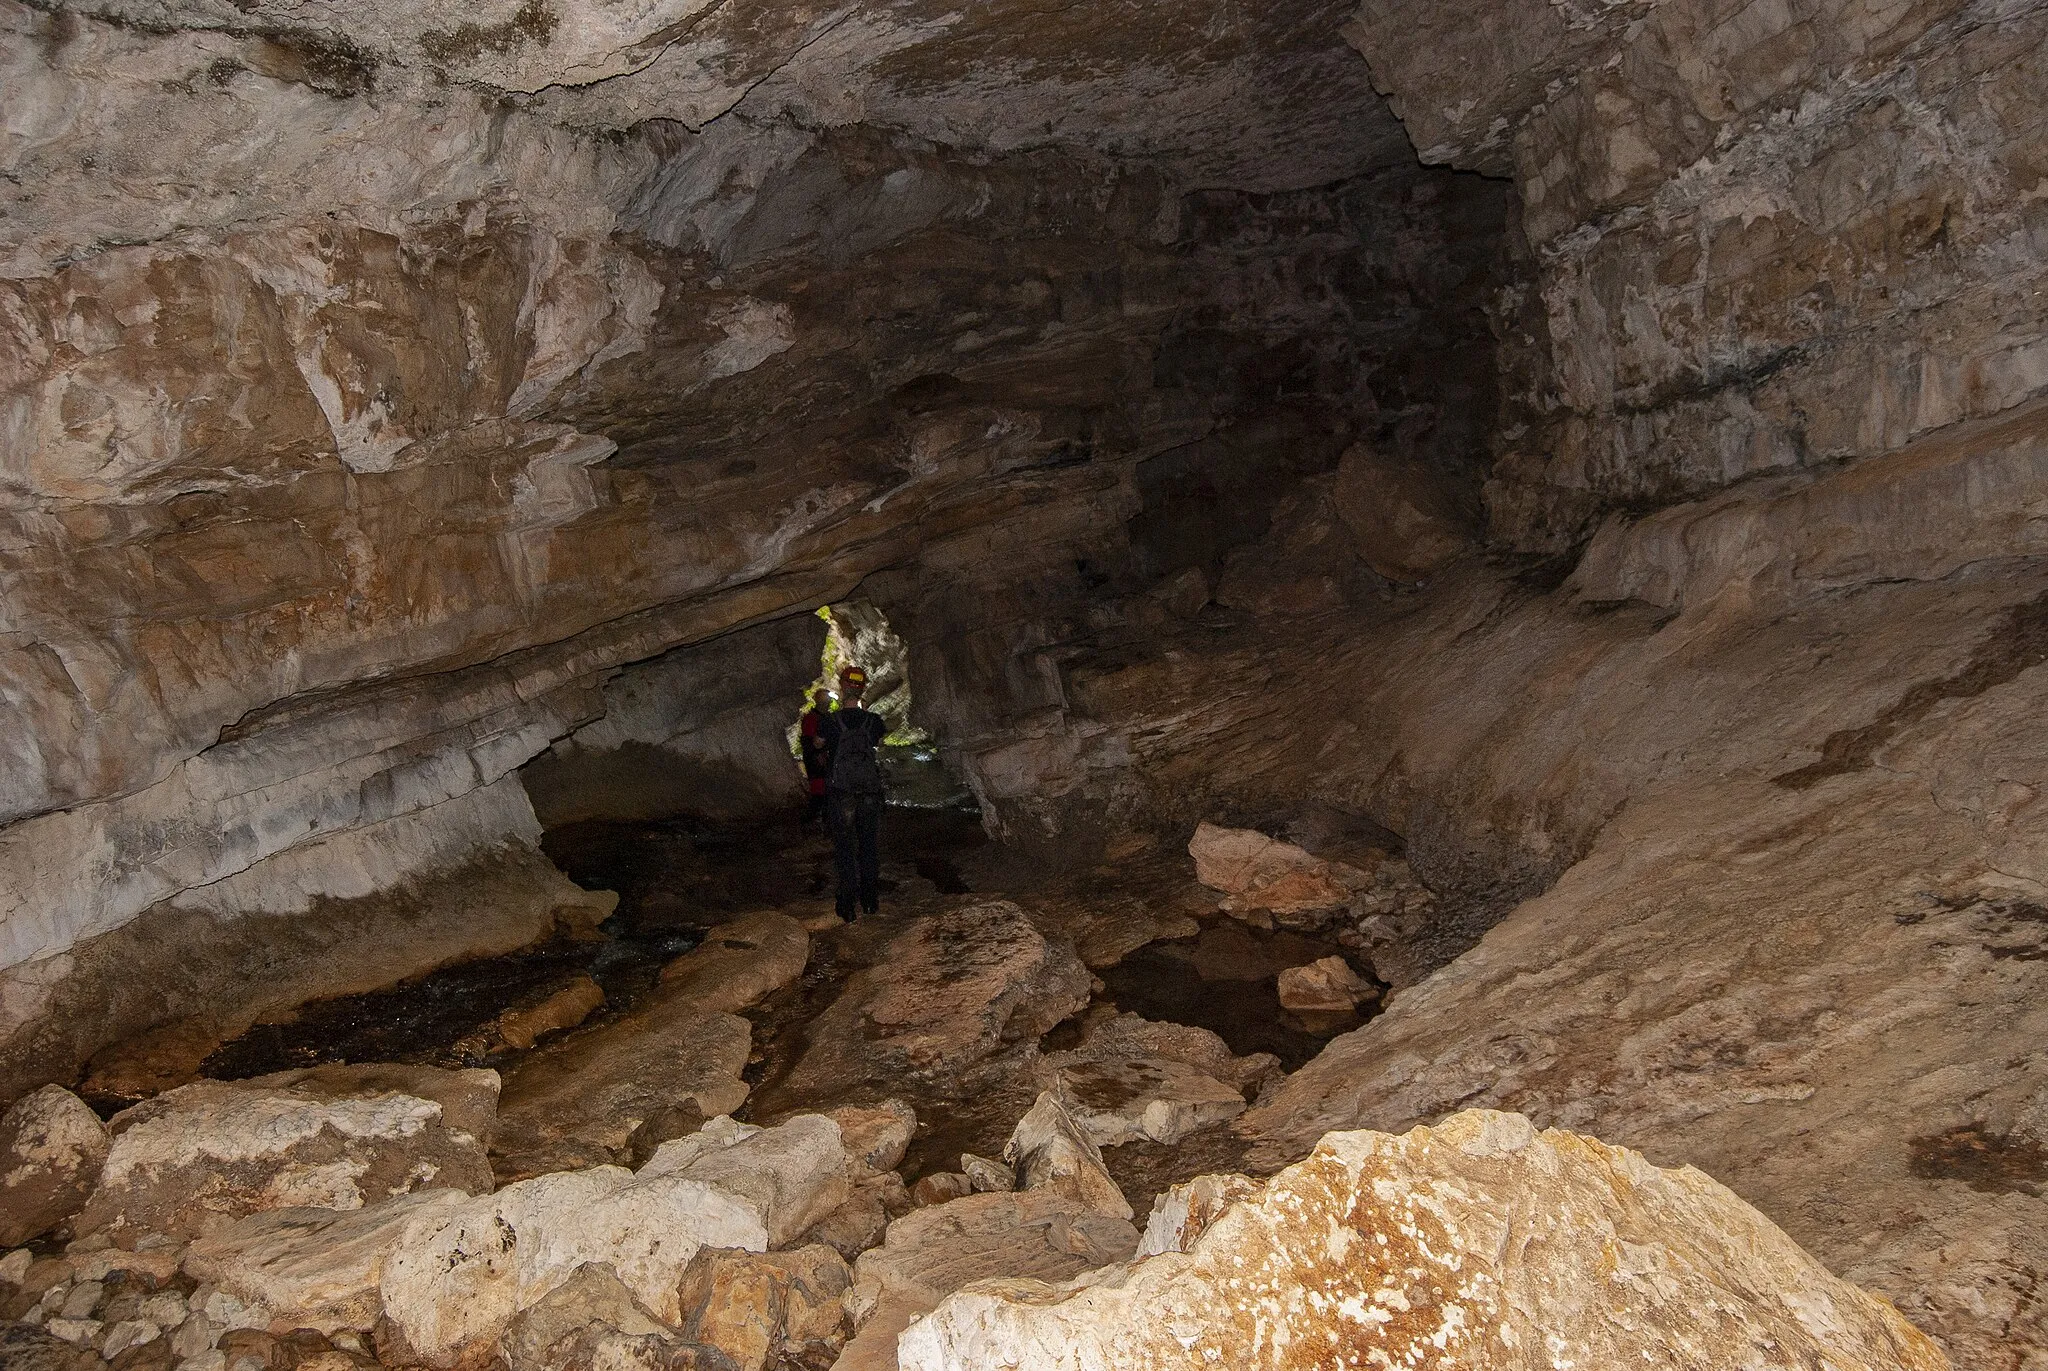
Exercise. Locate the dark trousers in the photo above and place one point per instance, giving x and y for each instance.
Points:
(856, 821)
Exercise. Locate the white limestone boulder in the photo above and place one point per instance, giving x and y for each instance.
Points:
(197, 1158)
(456, 1280)
(313, 1268)
(1480, 1241)
(51, 1149)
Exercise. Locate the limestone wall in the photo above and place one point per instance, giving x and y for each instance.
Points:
(1760, 238)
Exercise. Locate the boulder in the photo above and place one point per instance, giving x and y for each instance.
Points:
(593, 1097)
(580, 1101)
(313, 1268)
(1327, 986)
(51, 1149)
(591, 1322)
(197, 1158)
(937, 1187)
(987, 1174)
(1181, 1212)
(1480, 1241)
(932, 1252)
(876, 1137)
(859, 1223)
(1404, 517)
(740, 963)
(1106, 925)
(794, 1173)
(767, 1309)
(456, 1279)
(944, 995)
(142, 1067)
(520, 1027)
(1049, 1152)
(1255, 873)
(1132, 1079)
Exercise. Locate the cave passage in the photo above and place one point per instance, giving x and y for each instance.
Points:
(1460, 592)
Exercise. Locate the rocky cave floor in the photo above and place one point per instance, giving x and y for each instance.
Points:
(1115, 993)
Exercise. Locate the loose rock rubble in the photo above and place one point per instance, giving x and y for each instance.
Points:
(343, 1218)
(1372, 903)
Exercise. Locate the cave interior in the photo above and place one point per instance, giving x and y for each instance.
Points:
(1433, 570)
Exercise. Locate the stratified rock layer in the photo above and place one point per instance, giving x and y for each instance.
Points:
(1480, 1241)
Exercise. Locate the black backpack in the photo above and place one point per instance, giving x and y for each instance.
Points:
(855, 768)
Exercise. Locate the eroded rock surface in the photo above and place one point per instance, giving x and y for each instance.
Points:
(1405, 1250)
(51, 1150)
(455, 1281)
(1132, 1079)
(622, 1088)
(313, 1268)
(947, 993)
(195, 1159)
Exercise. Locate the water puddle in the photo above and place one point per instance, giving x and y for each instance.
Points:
(1225, 979)
(435, 1019)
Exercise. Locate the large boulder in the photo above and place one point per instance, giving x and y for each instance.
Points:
(1405, 518)
(767, 1309)
(1258, 874)
(1479, 1240)
(740, 963)
(1050, 1152)
(455, 1281)
(313, 1268)
(591, 1322)
(51, 1149)
(586, 1099)
(794, 1173)
(1133, 1079)
(946, 994)
(197, 1158)
(929, 1253)
(162, 1058)
(1327, 985)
